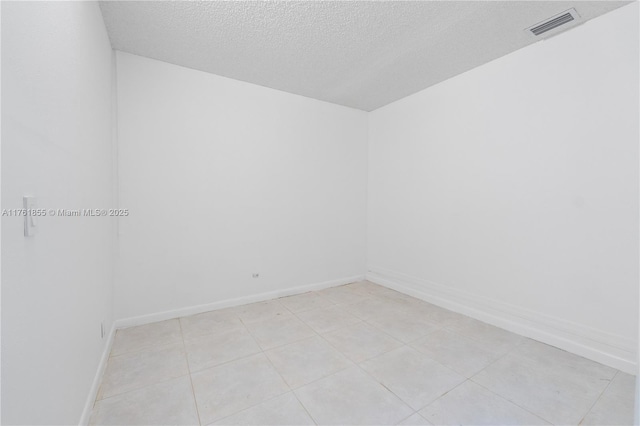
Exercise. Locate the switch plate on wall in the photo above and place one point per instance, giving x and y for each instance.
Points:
(29, 204)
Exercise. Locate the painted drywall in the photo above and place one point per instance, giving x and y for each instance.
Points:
(511, 191)
(223, 179)
(56, 146)
(0, 220)
(636, 420)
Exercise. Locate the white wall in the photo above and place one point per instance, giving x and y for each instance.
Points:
(225, 178)
(636, 420)
(510, 192)
(56, 285)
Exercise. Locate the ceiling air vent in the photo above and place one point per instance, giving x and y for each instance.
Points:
(554, 22)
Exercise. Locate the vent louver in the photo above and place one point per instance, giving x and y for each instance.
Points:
(554, 23)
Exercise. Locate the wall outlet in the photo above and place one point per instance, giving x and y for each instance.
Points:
(256, 275)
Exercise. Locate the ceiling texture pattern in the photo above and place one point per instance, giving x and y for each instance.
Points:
(359, 54)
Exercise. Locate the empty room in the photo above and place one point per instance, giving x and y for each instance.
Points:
(320, 212)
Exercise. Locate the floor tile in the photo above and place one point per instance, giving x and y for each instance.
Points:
(279, 331)
(493, 339)
(166, 403)
(372, 308)
(404, 327)
(389, 294)
(351, 397)
(228, 388)
(557, 395)
(210, 322)
(365, 287)
(471, 404)
(414, 420)
(402, 304)
(440, 316)
(459, 353)
(305, 302)
(261, 311)
(342, 295)
(565, 363)
(615, 406)
(138, 369)
(414, 378)
(403, 301)
(328, 319)
(217, 348)
(282, 410)
(412, 356)
(361, 341)
(145, 336)
(307, 360)
(622, 385)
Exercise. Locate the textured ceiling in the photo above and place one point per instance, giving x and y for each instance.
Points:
(359, 54)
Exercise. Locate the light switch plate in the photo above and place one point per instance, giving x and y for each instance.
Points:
(29, 204)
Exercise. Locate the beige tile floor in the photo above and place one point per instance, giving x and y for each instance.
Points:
(355, 354)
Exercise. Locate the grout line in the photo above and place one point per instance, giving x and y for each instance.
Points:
(324, 340)
(251, 407)
(248, 356)
(263, 349)
(277, 371)
(441, 396)
(149, 348)
(290, 388)
(304, 408)
(475, 374)
(406, 418)
(341, 326)
(284, 344)
(382, 384)
(513, 348)
(357, 364)
(512, 402)
(501, 396)
(454, 371)
(398, 396)
(142, 387)
(226, 362)
(196, 337)
(327, 375)
(354, 364)
(516, 403)
(408, 343)
(186, 357)
(598, 398)
(144, 348)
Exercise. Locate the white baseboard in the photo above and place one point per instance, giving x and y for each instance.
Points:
(97, 380)
(606, 348)
(192, 310)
